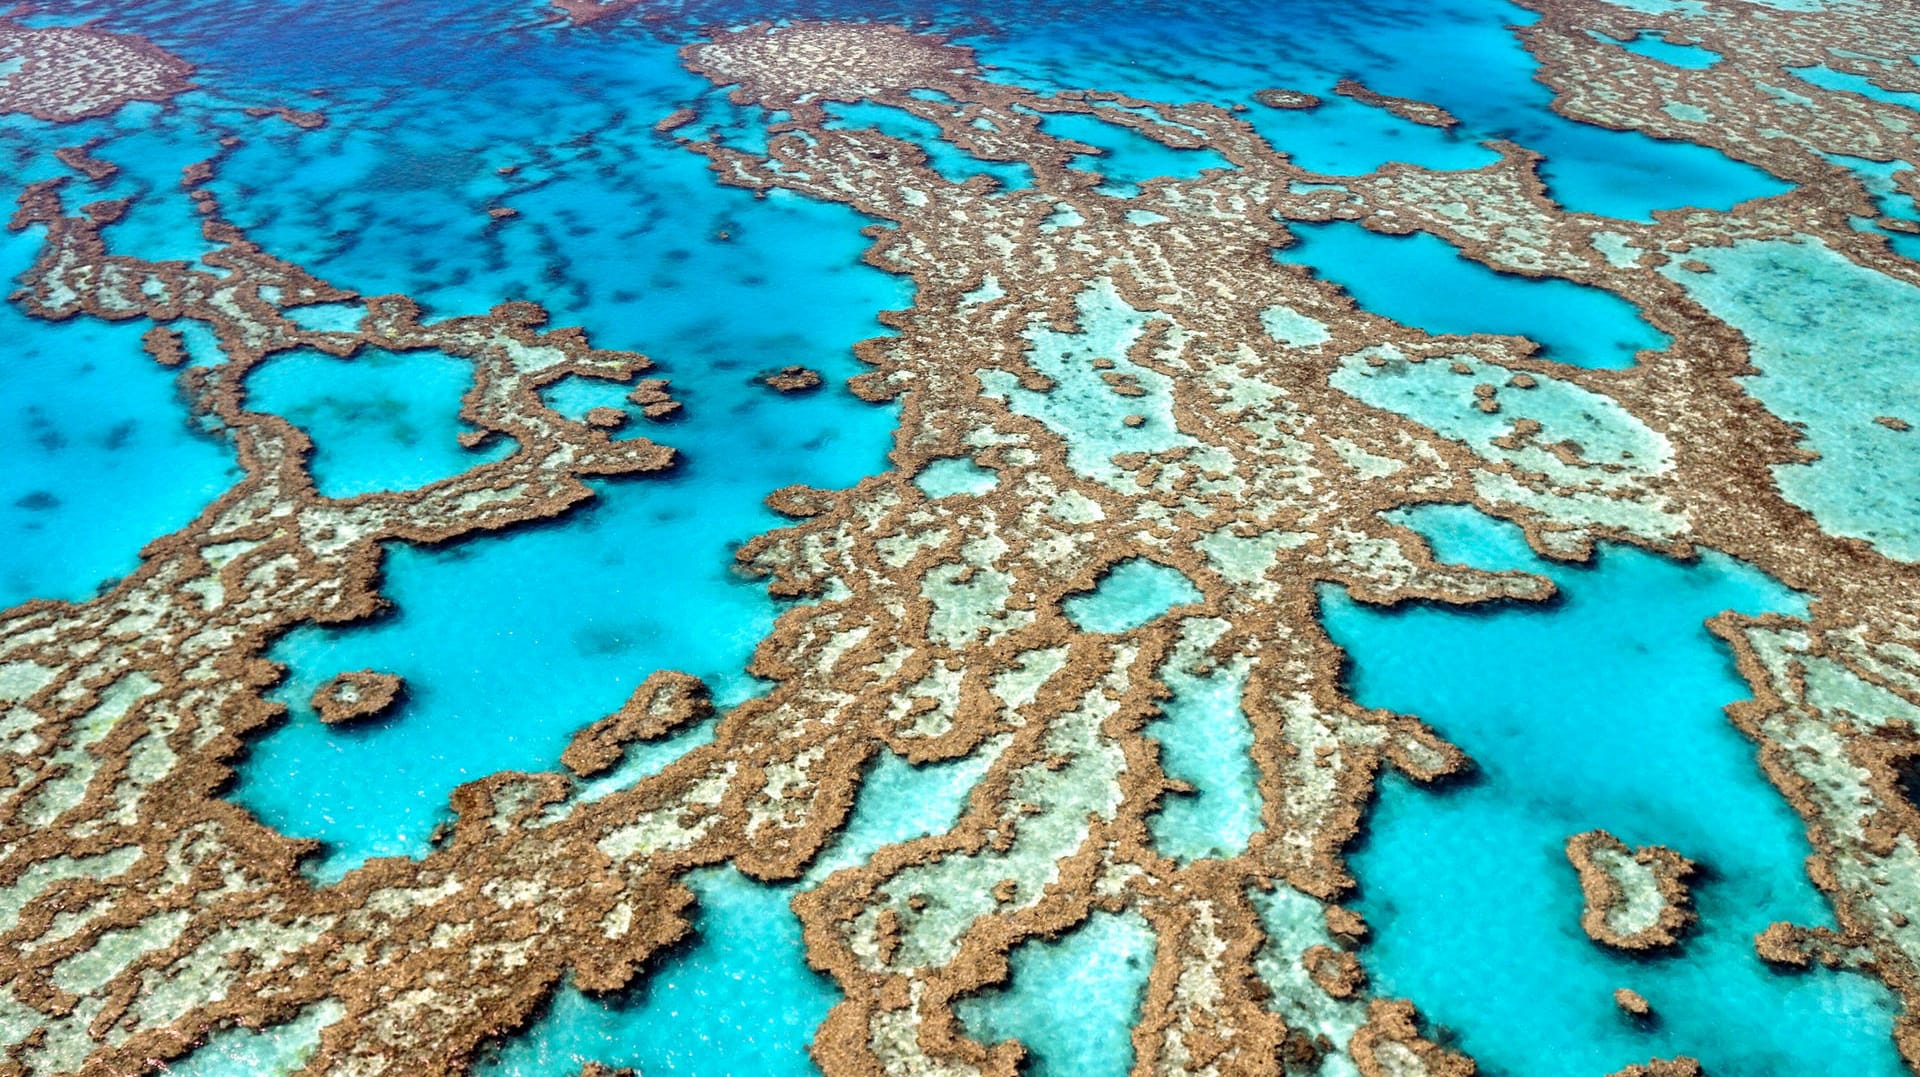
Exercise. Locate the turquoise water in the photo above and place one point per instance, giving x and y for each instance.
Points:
(1072, 1002)
(1600, 710)
(1226, 54)
(574, 396)
(511, 642)
(1423, 281)
(270, 1052)
(1128, 595)
(944, 157)
(505, 658)
(1653, 47)
(100, 458)
(1342, 137)
(739, 998)
(1081, 405)
(1828, 79)
(952, 475)
(1888, 199)
(379, 421)
(618, 231)
(1206, 741)
(1126, 157)
(1836, 346)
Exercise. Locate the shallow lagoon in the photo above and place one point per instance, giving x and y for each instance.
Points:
(101, 458)
(1835, 345)
(379, 420)
(738, 997)
(1423, 281)
(504, 658)
(1073, 1001)
(1602, 709)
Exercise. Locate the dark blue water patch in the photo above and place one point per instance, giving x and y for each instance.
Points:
(379, 420)
(1423, 281)
(943, 157)
(1673, 54)
(1602, 709)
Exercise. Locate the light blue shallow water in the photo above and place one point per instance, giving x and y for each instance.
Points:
(951, 475)
(1835, 344)
(1423, 281)
(1654, 47)
(1072, 1002)
(379, 421)
(1600, 710)
(99, 456)
(739, 998)
(1207, 742)
(1129, 595)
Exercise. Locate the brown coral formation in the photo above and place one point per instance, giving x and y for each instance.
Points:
(82, 160)
(120, 715)
(1632, 1003)
(792, 379)
(1681, 1066)
(305, 120)
(1390, 1044)
(1636, 899)
(662, 704)
(1420, 112)
(65, 73)
(1286, 99)
(357, 696)
(828, 61)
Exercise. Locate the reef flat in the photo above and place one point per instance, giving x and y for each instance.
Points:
(1060, 711)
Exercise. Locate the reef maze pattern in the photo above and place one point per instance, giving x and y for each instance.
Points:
(140, 912)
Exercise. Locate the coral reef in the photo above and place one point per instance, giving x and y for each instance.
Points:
(1251, 462)
(1636, 899)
